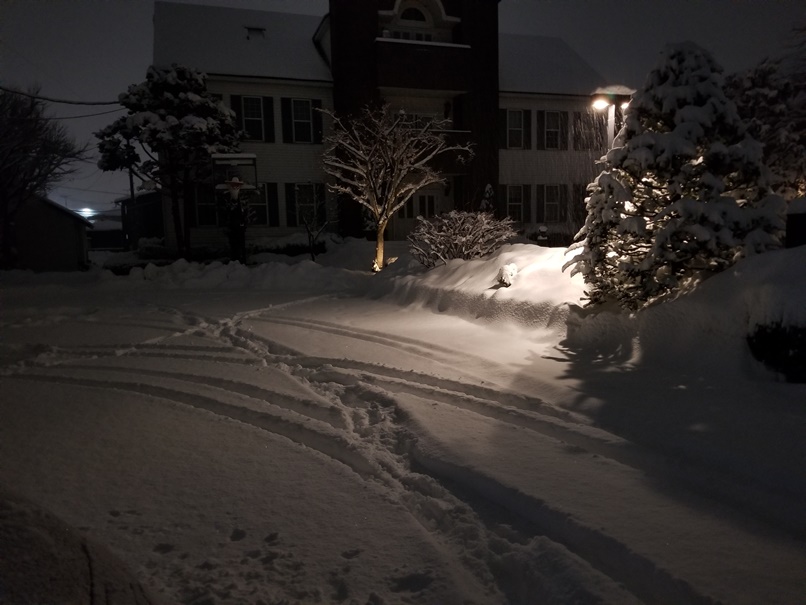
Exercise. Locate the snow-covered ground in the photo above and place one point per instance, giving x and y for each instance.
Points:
(300, 432)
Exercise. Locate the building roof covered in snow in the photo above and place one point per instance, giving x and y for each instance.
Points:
(541, 64)
(227, 41)
(222, 40)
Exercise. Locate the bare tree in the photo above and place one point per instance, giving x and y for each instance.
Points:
(381, 158)
(313, 215)
(35, 153)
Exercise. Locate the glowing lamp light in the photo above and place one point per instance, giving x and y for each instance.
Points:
(601, 104)
(87, 212)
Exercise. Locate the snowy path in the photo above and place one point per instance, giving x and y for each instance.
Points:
(334, 450)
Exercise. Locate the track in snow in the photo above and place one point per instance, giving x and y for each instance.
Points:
(353, 416)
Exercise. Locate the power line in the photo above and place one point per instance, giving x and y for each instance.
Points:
(88, 190)
(52, 100)
(86, 115)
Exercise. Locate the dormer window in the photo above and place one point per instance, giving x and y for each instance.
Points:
(254, 32)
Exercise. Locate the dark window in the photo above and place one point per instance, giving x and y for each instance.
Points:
(515, 202)
(253, 117)
(206, 206)
(306, 203)
(303, 121)
(553, 130)
(259, 206)
(427, 205)
(515, 129)
(407, 210)
(552, 201)
(590, 131)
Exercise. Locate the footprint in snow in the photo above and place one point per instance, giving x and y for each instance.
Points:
(236, 535)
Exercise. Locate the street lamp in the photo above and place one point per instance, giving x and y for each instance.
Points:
(613, 99)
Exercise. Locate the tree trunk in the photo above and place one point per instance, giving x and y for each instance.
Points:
(187, 208)
(377, 265)
(7, 256)
(176, 210)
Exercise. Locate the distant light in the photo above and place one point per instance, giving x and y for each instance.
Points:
(601, 104)
(87, 212)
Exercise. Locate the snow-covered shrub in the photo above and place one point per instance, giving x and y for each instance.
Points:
(457, 234)
(684, 191)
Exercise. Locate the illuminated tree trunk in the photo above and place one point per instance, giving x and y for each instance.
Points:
(377, 264)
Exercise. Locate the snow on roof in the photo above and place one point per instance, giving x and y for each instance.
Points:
(541, 64)
(222, 40)
(69, 212)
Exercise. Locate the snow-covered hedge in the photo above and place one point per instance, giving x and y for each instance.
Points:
(456, 234)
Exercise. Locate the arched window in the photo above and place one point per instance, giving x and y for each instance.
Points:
(413, 14)
(413, 22)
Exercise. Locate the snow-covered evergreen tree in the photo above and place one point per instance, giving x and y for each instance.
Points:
(772, 101)
(178, 124)
(684, 191)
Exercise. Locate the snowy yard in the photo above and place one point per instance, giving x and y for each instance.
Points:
(314, 433)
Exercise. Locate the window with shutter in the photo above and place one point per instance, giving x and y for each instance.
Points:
(552, 201)
(514, 129)
(553, 130)
(302, 120)
(252, 115)
(515, 202)
(307, 197)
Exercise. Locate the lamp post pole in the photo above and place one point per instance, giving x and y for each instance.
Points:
(615, 100)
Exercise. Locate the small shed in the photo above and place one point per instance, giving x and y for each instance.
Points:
(50, 237)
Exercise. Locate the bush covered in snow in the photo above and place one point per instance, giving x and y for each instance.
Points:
(456, 234)
(684, 191)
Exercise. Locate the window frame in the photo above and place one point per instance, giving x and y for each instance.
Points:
(253, 120)
(259, 201)
(553, 131)
(519, 203)
(299, 204)
(549, 192)
(516, 129)
(209, 205)
(308, 121)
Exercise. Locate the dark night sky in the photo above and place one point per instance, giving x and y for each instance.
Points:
(91, 50)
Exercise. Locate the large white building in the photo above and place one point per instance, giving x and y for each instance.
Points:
(523, 101)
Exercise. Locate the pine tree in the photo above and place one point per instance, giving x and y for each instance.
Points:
(178, 125)
(684, 191)
(772, 101)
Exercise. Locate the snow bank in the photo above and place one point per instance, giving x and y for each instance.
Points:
(717, 316)
(539, 296)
